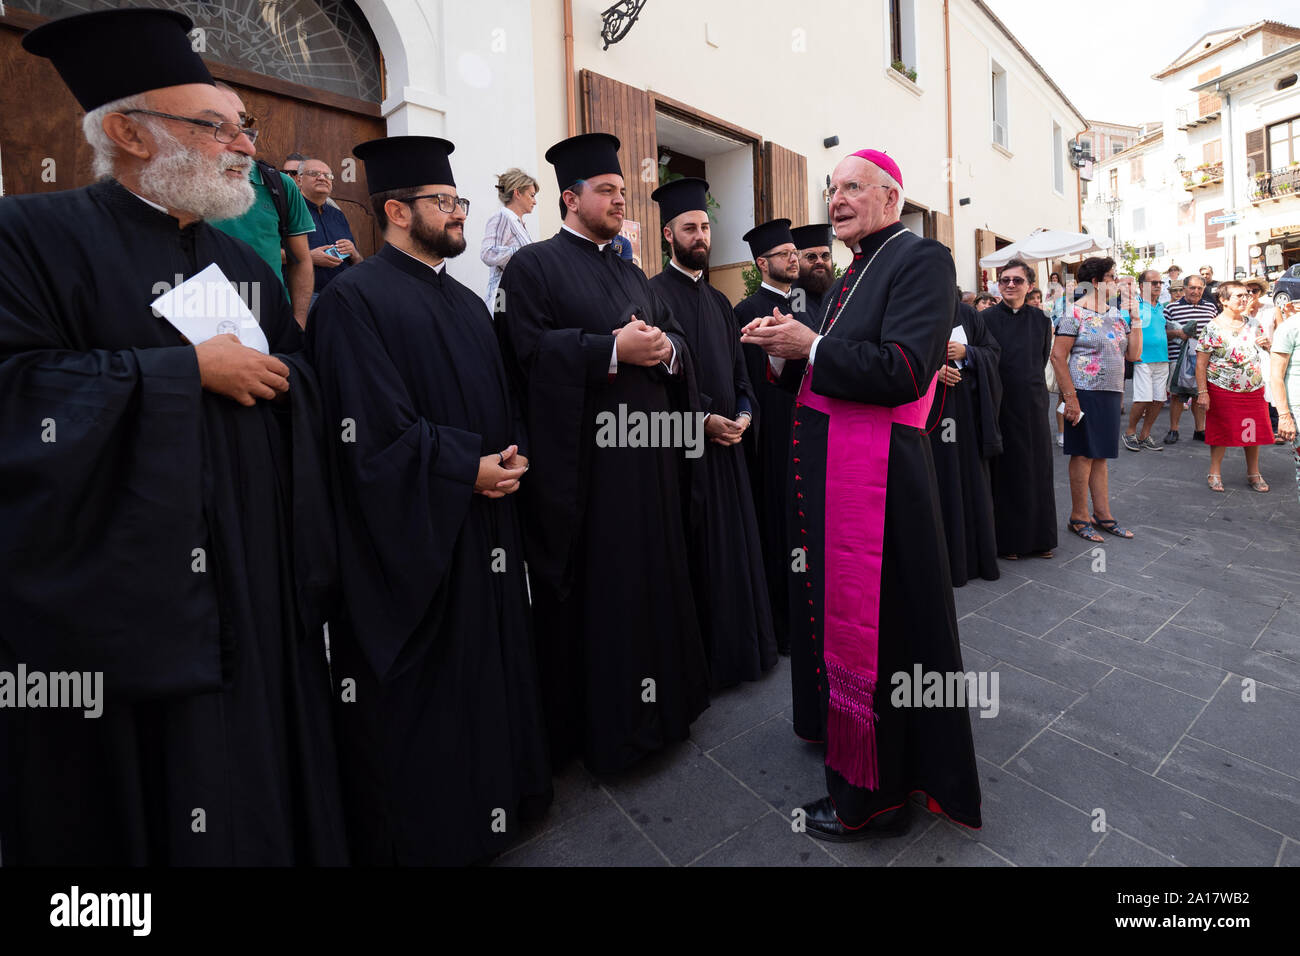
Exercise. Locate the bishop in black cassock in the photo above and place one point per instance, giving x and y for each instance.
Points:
(162, 521)
(727, 563)
(964, 436)
(877, 596)
(438, 707)
(1024, 499)
(775, 382)
(589, 348)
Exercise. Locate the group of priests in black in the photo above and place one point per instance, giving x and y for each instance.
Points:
(506, 588)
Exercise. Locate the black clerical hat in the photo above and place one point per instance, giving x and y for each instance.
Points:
(807, 237)
(681, 195)
(106, 55)
(396, 162)
(766, 236)
(581, 157)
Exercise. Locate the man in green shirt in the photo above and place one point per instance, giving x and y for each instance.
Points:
(260, 228)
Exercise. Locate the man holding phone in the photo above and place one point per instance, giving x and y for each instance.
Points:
(336, 249)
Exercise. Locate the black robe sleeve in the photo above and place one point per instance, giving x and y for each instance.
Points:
(898, 368)
(982, 355)
(405, 483)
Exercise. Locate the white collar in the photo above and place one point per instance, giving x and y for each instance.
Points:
(772, 288)
(513, 215)
(438, 268)
(148, 202)
(599, 245)
(693, 276)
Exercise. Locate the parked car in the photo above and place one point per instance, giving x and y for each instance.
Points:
(1287, 286)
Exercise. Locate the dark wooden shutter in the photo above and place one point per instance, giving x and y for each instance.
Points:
(785, 185)
(941, 227)
(609, 106)
(1213, 232)
(1256, 155)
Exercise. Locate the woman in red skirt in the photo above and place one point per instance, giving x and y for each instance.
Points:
(1230, 358)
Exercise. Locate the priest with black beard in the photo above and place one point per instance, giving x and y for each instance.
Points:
(775, 382)
(442, 748)
(726, 558)
(816, 268)
(964, 436)
(163, 516)
(1024, 496)
(590, 349)
(877, 596)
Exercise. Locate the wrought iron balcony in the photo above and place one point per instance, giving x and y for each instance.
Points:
(1205, 175)
(1277, 183)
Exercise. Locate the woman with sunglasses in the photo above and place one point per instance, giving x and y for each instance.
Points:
(1093, 341)
(1230, 357)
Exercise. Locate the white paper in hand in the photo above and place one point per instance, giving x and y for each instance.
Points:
(207, 304)
(958, 334)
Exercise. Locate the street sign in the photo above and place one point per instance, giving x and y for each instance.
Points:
(1230, 217)
(1273, 254)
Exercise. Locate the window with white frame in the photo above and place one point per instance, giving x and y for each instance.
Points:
(1058, 158)
(902, 34)
(999, 93)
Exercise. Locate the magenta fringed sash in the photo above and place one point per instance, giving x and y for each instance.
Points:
(857, 475)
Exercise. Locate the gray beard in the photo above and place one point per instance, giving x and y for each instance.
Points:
(187, 182)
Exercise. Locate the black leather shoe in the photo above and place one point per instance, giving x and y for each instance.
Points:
(1198, 436)
(822, 823)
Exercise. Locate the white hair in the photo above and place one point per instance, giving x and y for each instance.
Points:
(892, 183)
(103, 148)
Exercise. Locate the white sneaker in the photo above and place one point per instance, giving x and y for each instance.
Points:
(1060, 439)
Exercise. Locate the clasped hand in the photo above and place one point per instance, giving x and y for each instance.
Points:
(779, 335)
(639, 344)
(499, 474)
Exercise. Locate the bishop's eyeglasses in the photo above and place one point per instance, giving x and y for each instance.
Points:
(221, 132)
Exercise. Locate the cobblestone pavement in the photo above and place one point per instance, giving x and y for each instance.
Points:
(1121, 690)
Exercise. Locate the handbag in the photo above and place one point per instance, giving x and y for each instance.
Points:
(1182, 376)
(1049, 374)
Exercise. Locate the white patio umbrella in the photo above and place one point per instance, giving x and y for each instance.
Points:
(1047, 244)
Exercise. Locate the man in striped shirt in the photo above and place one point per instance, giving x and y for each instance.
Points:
(1192, 306)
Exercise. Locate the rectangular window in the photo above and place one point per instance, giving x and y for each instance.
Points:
(1212, 152)
(1135, 170)
(1114, 182)
(1284, 143)
(999, 94)
(1118, 146)
(902, 33)
(1058, 158)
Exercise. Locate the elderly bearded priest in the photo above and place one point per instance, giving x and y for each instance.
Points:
(876, 598)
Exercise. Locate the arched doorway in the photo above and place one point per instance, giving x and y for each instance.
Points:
(309, 70)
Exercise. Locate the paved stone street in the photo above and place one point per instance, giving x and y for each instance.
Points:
(1120, 690)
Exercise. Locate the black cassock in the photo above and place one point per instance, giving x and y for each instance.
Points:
(727, 562)
(174, 540)
(964, 435)
(1024, 502)
(767, 450)
(618, 644)
(883, 349)
(445, 726)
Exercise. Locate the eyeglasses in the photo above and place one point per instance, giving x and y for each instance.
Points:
(221, 132)
(792, 254)
(852, 189)
(446, 201)
(317, 175)
(815, 257)
(1011, 280)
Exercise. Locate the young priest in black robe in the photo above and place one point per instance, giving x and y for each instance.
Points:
(775, 382)
(592, 352)
(816, 269)
(163, 520)
(441, 741)
(964, 435)
(727, 562)
(1024, 498)
(878, 599)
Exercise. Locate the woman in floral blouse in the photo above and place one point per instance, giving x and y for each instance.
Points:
(1093, 340)
(1230, 365)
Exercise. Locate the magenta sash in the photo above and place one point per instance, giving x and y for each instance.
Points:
(857, 478)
